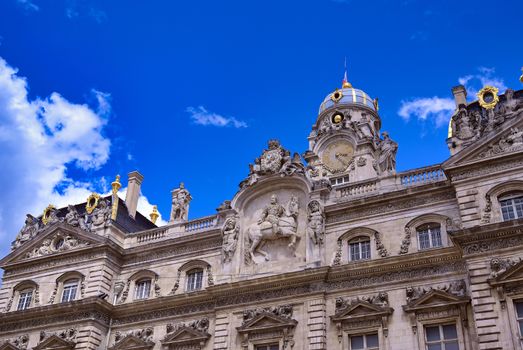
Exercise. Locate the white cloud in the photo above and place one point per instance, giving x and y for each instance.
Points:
(39, 140)
(485, 76)
(440, 109)
(434, 108)
(201, 116)
(28, 5)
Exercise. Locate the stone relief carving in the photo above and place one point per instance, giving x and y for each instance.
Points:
(284, 311)
(316, 222)
(498, 266)
(74, 219)
(30, 229)
(362, 161)
(125, 292)
(145, 334)
(201, 325)
(510, 143)
(382, 251)
(68, 334)
(230, 231)
(338, 254)
(21, 342)
(276, 222)
(58, 243)
(274, 160)
(101, 216)
(487, 215)
(385, 163)
(457, 288)
(177, 283)
(210, 278)
(381, 299)
(405, 243)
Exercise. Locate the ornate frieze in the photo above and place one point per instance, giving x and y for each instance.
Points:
(59, 242)
(456, 288)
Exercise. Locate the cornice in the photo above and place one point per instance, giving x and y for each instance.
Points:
(91, 309)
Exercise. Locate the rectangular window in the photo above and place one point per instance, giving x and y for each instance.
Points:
(194, 280)
(364, 342)
(519, 317)
(429, 237)
(441, 337)
(25, 300)
(511, 208)
(143, 289)
(268, 347)
(359, 250)
(69, 292)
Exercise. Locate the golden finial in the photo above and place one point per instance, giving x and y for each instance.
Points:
(116, 185)
(345, 84)
(154, 215)
(521, 77)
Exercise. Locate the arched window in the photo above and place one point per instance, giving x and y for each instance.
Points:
(511, 206)
(70, 290)
(194, 279)
(429, 236)
(359, 248)
(142, 289)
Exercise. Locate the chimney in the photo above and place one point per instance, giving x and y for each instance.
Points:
(460, 95)
(133, 192)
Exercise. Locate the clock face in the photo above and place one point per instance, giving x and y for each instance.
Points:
(337, 156)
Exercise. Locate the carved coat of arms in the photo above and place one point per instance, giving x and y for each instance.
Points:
(272, 158)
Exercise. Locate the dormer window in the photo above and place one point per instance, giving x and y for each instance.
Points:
(24, 300)
(194, 279)
(70, 289)
(359, 249)
(142, 289)
(429, 236)
(511, 207)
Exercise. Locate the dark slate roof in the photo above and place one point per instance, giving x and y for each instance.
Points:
(123, 220)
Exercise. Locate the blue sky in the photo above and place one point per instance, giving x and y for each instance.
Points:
(191, 91)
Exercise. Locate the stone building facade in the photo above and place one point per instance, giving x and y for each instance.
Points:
(333, 249)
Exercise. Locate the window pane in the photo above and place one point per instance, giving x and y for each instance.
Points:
(275, 347)
(25, 300)
(436, 237)
(354, 251)
(432, 333)
(521, 328)
(372, 341)
(356, 343)
(452, 345)
(449, 331)
(434, 347)
(423, 237)
(519, 309)
(365, 250)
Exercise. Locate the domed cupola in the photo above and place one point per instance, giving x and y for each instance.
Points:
(348, 96)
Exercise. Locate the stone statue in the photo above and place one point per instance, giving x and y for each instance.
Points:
(316, 225)
(101, 215)
(387, 155)
(275, 222)
(74, 219)
(512, 105)
(27, 232)
(230, 232)
(464, 125)
(515, 138)
(180, 204)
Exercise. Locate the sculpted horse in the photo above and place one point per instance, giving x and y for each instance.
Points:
(261, 232)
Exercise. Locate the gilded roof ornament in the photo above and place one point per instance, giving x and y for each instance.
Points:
(154, 214)
(116, 185)
(521, 77)
(488, 97)
(46, 216)
(336, 95)
(92, 202)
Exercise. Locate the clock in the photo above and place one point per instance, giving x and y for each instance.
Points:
(337, 156)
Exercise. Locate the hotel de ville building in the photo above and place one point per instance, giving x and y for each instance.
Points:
(330, 248)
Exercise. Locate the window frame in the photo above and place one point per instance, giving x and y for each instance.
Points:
(359, 241)
(463, 340)
(429, 227)
(267, 346)
(26, 304)
(188, 274)
(139, 294)
(364, 335)
(68, 285)
(514, 320)
(510, 196)
(442, 341)
(347, 333)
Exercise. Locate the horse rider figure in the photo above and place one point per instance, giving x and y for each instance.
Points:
(272, 213)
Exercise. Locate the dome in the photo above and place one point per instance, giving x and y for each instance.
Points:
(348, 96)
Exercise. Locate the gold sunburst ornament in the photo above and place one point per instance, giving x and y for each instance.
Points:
(488, 97)
(47, 213)
(92, 202)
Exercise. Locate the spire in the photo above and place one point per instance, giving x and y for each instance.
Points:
(345, 83)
